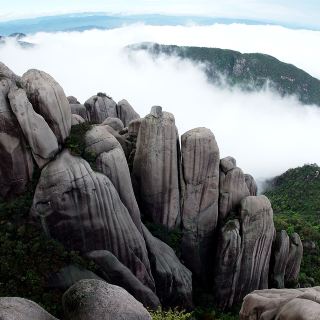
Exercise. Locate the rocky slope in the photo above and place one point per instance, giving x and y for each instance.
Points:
(249, 71)
(103, 178)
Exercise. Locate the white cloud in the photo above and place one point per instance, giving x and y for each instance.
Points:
(265, 133)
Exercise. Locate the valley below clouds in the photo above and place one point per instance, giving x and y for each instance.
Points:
(265, 132)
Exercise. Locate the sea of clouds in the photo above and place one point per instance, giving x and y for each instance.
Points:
(267, 134)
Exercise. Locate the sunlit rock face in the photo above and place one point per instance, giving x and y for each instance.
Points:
(16, 166)
(156, 169)
(100, 107)
(83, 210)
(200, 195)
(49, 100)
(257, 235)
(284, 304)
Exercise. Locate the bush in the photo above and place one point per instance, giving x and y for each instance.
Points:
(170, 315)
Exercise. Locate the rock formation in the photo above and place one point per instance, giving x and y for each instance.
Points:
(228, 264)
(82, 210)
(16, 167)
(280, 254)
(100, 107)
(94, 299)
(19, 308)
(76, 119)
(156, 170)
(251, 184)
(173, 280)
(48, 99)
(282, 304)
(80, 110)
(114, 272)
(200, 195)
(233, 188)
(41, 139)
(115, 123)
(294, 259)
(257, 236)
(126, 113)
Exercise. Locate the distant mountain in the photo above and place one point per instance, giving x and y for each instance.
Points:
(249, 71)
(98, 20)
(18, 38)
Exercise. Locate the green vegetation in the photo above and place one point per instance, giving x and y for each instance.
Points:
(171, 237)
(170, 315)
(249, 71)
(295, 198)
(76, 143)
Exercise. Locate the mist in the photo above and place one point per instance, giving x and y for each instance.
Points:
(266, 133)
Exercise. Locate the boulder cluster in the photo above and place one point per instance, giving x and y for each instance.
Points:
(141, 173)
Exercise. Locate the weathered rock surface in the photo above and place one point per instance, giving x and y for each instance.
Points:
(114, 123)
(68, 276)
(126, 112)
(82, 210)
(279, 259)
(257, 235)
(76, 119)
(6, 73)
(134, 127)
(80, 110)
(41, 139)
(233, 188)
(294, 259)
(114, 272)
(200, 193)
(73, 100)
(251, 184)
(282, 304)
(173, 280)
(49, 100)
(94, 299)
(100, 107)
(228, 264)
(155, 169)
(22, 309)
(16, 166)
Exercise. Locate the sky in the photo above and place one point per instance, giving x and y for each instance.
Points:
(296, 12)
(267, 134)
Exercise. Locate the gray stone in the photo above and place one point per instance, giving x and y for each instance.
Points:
(114, 272)
(16, 166)
(200, 194)
(22, 309)
(68, 276)
(100, 107)
(228, 264)
(80, 110)
(294, 259)
(173, 280)
(6, 73)
(82, 210)
(279, 259)
(76, 119)
(282, 304)
(251, 184)
(41, 139)
(233, 188)
(257, 236)
(49, 100)
(98, 300)
(73, 100)
(156, 170)
(134, 127)
(126, 113)
(114, 123)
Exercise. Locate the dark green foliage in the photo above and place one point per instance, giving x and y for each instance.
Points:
(76, 143)
(171, 237)
(249, 71)
(295, 198)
